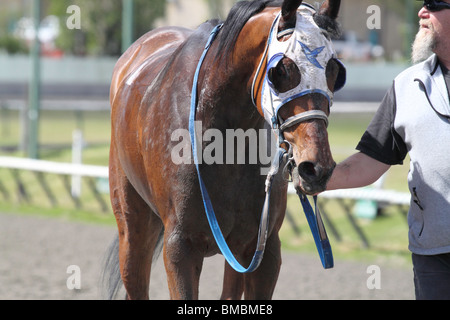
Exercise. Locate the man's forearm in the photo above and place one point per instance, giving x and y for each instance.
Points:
(356, 171)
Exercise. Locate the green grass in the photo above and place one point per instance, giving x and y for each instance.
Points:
(55, 137)
(387, 234)
(56, 128)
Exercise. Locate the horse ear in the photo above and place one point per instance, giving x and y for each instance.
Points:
(330, 8)
(289, 14)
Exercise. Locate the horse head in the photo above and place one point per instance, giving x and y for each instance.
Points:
(295, 91)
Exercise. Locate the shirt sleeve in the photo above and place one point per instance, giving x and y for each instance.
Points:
(380, 141)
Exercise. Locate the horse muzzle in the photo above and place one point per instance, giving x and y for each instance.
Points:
(311, 178)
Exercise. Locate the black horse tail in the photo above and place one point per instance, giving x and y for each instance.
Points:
(110, 280)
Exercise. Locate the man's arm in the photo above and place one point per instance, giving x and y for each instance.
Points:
(356, 171)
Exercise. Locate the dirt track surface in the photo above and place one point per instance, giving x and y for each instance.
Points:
(35, 254)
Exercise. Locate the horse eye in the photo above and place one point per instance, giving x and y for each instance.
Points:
(331, 73)
(276, 74)
(284, 76)
(271, 76)
(281, 70)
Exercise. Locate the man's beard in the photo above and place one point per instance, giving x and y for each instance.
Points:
(424, 44)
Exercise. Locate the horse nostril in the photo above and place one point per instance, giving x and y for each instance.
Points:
(308, 170)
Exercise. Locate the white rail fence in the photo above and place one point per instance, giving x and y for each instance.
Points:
(54, 167)
(66, 171)
(346, 198)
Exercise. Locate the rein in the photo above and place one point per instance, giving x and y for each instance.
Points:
(314, 220)
(213, 223)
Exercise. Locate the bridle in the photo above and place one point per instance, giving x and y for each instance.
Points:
(282, 156)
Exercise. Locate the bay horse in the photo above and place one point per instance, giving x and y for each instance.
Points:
(158, 202)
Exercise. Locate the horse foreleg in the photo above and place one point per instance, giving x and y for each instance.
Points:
(233, 284)
(183, 264)
(260, 284)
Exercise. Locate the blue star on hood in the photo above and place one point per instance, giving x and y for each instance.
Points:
(311, 55)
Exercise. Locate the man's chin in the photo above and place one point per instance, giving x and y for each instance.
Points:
(423, 45)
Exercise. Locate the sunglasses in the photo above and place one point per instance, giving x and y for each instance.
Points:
(434, 5)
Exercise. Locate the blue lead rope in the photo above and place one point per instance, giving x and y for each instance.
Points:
(316, 225)
(318, 230)
(214, 225)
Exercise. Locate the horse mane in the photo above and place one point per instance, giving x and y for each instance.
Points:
(239, 14)
(242, 11)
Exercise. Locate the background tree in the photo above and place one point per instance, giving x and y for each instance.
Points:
(101, 24)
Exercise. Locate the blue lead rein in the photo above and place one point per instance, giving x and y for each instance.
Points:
(214, 225)
(318, 231)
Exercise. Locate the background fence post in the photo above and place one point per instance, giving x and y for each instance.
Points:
(34, 90)
(127, 24)
(77, 158)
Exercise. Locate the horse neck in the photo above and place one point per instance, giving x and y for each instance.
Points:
(223, 100)
(226, 96)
